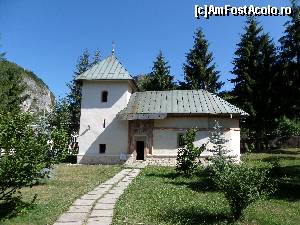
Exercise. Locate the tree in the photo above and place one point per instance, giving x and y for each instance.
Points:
(11, 87)
(188, 155)
(2, 54)
(254, 71)
(243, 185)
(60, 121)
(96, 58)
(160, 78)
(74, 96)
(290, 64)
(24, 153)
(199, 69)
(220, 153)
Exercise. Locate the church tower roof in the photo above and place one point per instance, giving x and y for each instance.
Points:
(108, 69)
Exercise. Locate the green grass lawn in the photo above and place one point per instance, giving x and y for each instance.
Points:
(56, 195)
(160, 196)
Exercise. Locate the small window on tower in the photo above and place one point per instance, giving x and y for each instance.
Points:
(104, 125)
(104, 96)
(102, 148)
(180, 140)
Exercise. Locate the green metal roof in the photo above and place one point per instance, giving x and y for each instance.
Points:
(157, 104)
(108, 69)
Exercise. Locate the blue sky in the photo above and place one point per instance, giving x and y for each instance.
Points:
(48, 36)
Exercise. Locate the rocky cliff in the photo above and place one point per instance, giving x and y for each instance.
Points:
(38, 98)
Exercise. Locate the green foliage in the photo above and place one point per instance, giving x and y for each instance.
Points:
(55, 196)
(74, 97)
(24, 153)
(61, 117)
(240, 184)
(2, 54)
(188, 155)
(57, 139)
(199, 69)
(290, 64)
(11, 87)
(160, 78)
(287, 128)
(243, 185)
(221, 154)
(59, 149)
(255, 78)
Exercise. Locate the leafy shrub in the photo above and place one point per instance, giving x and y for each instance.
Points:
(188, 155)
(57, 139)
(23, 154)
(287, 128)
(59, 149)
(243, 185)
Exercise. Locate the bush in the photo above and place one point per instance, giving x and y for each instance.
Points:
(188, 155)
(243, 185)
(287, 128)
(23, 154)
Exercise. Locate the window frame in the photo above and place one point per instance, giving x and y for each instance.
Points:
(101, 149)
(104, 96)
(179, 137)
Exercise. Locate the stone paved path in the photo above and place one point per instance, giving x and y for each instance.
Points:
(96, 207)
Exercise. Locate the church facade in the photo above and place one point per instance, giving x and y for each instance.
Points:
(118, 122)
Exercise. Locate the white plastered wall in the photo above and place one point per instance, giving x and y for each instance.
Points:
(93, 114)
(165, 133)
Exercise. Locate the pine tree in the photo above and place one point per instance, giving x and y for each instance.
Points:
(96, 58)
(160, 78)
(2, 54)
(220, 153)
(199, 69)
(254, 70)
(74, 96)
(290, 63)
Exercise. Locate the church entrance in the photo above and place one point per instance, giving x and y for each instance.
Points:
(140, 150)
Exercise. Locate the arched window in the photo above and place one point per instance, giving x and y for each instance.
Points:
(104, 96)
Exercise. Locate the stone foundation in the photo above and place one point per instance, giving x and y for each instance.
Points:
(161, 160)
(152, 160)
(101, 159)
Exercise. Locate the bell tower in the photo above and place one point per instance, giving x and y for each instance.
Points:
(106, 89)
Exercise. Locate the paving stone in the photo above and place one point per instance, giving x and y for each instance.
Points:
(109, 183)
(83, 202)
(105, 196)
(79, 209)
(107, 200)
(91, 197)
(115, 196)
(99, 221)
(117, 192)
(103, 188)
(68, 223)
(102, 212)
(72, 217)
(104, 206)
(98, 191)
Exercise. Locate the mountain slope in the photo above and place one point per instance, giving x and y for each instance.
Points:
(39, 98)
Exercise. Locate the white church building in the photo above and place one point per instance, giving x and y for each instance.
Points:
(118, 122)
